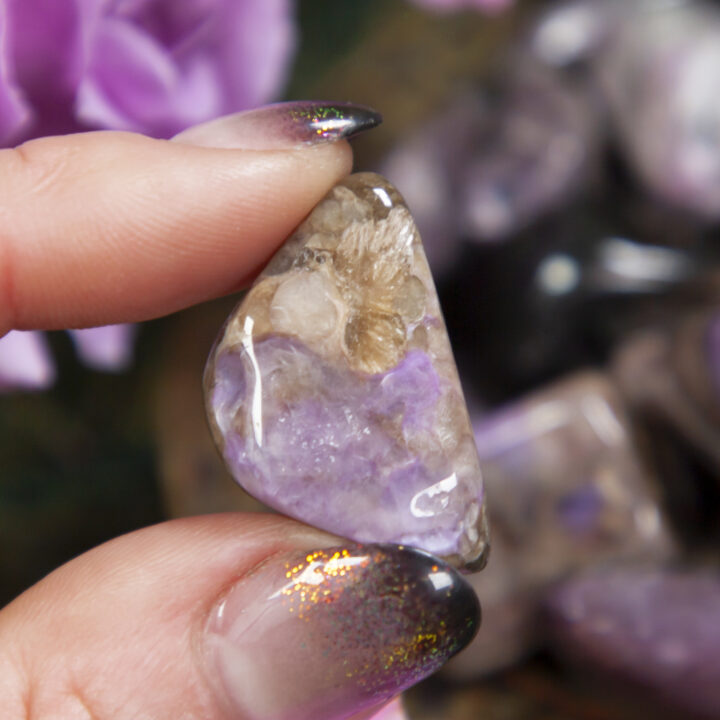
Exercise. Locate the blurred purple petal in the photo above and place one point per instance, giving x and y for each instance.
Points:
(173, 24)
(158, 66)
(14, 110)
(134, 83)
(25, 362)
(153, 66)
(256, 43)
(44, 42)
(108, 349)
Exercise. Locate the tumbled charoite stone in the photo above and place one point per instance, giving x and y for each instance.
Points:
(657, 629)
(332, 391)
(569, 489)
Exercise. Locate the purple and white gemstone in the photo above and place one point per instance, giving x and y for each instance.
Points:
(655, 628)
(333, 393)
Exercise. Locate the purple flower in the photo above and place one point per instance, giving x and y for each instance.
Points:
(26, 362)
(452, 5)
(152, 66)
(108, 349)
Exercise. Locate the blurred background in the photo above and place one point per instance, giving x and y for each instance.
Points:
(563, 163)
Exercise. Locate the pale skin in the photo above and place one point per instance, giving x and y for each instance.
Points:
(114, 227)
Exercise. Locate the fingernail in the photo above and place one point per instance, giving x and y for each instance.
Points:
(332, 633)
(283, 126)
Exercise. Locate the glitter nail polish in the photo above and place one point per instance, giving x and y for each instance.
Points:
(335, 632)
(284, 126)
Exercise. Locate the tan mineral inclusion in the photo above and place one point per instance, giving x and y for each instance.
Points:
(333, 393)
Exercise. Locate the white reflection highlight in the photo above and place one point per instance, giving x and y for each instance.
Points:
(384, 197)
(603, 421)
(558, 274)
(635, 264)
(441, 580)
(439, 488)
(316, 572)
(256, 407)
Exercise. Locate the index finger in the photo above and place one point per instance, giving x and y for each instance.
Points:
(110, 227)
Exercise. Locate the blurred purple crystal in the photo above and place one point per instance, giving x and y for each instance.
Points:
(655, 64)
(531, 155)
(489, 166)
(669, 374)
(566, 489)
(151, 66)
(713, 351)
(658, 69)
(658, 629)
(428, 165)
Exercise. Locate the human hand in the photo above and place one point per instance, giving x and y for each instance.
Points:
(218, 616)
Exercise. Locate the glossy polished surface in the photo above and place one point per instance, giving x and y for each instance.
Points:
(333, 393)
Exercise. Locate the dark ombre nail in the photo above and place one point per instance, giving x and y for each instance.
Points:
(283, 126)
(336, 632)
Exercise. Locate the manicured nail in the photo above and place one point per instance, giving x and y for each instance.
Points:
(283, 126)
(332, 633)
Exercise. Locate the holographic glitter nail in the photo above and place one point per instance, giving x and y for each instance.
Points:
(313, 122)
(284, 126)
(335, 632)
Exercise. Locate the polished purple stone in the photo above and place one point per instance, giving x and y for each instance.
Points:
(658, 629)
(713, 351)
(332, 391)
(567, 490)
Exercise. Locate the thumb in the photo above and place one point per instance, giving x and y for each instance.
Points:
(230, 616)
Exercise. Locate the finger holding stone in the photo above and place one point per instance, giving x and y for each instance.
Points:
(109, 227)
